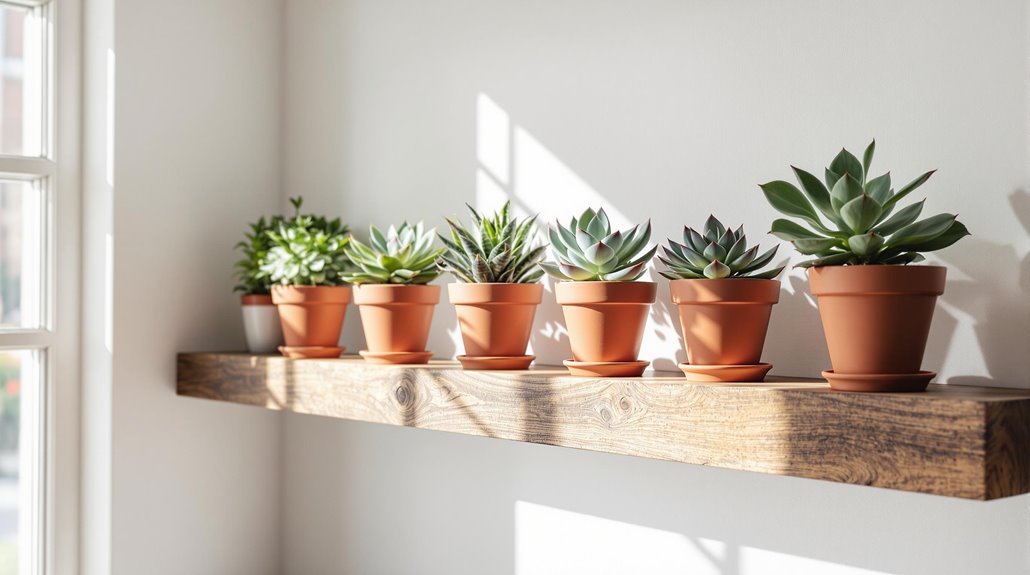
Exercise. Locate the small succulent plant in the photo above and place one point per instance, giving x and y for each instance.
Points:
(588, 250)
(403, 255)
(255, 247)
(717, 253)
(498, 249)
(863, 226)
(306, 250)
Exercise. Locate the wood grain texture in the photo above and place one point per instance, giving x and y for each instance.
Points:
(957, 441)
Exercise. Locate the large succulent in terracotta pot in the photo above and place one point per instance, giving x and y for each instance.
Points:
(605, 309)
(390, 290)
(876, 309)
(724, 296)
(498, 290)
(304, 265)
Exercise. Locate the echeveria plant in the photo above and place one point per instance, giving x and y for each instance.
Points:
(588, 250)
(498, 249)
(306, 250)
(717, 253)
(403, 255)
(862, 226)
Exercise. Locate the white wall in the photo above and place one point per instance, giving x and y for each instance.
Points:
(668, 109)
(196, 151)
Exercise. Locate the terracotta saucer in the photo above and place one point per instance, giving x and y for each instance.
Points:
(882, 382)
(496, 362)
(726, 373)
(396, 357)
(310, 352)
(606, 368)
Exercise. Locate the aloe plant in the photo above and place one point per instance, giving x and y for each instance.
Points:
(498, 249)
(862, 226)
(717, 253)
(588, 250)
(306, 250)
(403, 255)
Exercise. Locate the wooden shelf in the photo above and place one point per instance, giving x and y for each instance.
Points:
(957, 441)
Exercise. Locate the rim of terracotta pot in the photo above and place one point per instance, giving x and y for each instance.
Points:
(377, 294)
(589, 292)
(283, 294)
(726, 290)
(256, 299)
(498, 293)
(877, 279)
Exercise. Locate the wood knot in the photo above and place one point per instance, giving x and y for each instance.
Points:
(403, 395)
(624, 404)
(606, 415)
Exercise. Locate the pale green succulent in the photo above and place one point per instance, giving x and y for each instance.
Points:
(403, 255)
(718, 253)
(861, 229)
(305, 250)
(588, 250)
(498, 249)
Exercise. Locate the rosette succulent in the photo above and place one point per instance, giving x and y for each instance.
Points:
(588, 250)
(306, 250)
(717, 253)
(862, 226)
(498, 249)
(403, 255)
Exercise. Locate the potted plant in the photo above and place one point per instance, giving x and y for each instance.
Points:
(724, 301)
(875, 308)
(305, 266)
(605, 309)
(260, 317)
(498, 291)
(390, 290)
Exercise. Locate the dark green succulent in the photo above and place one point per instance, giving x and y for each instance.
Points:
(717, 253)
(498, 249)
(403, 255)
(306, 250)
(588, 250)
(863, 227)
(252, 279)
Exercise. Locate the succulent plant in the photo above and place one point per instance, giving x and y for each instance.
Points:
(717, 253)
(588, 250)
(498, 250)
(255, 246)
(306, 250)
(403, 255)
(862, 229)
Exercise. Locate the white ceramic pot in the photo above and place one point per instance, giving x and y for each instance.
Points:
(261, 324)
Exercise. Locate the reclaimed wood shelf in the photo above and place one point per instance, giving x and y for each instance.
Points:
(957, 441)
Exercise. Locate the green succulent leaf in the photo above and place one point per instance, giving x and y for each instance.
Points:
(816, 191)
(847, 164)
(813, 247)
(717, 270)
(902, 218)
(866, 245)
(788, 230)
(591, 251)
(405, 255)
(879, 188)
(861, 213)
(789, 200)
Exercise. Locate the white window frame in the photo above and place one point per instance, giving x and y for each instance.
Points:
(59, 167)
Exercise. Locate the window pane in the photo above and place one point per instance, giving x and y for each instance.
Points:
(21, 82)
(21, 254)
(19, 460)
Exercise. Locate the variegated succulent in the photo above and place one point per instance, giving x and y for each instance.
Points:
(861, 228)
(717, 253)
(498, 249)
(588, 250)
(306, 250)
(403, 255)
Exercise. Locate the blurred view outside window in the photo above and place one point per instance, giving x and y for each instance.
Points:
(24, 237)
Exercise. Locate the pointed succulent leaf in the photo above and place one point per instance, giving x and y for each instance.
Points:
(867, 157)
(846, 189)
(576, 273)
(726, 240)
(614, 240)
(922, 231)
(737, 249)
(865, 245)
(713, 229)
(714, 252)
(909, 188)
(954, 233)
(788, 230)
(767, 275)
(599, 253)
(553, 271)
(847, 163)
(861, 213)
(627, 274)
(836, 259)
(904, 217)
(693, 239)
(813, 247)
(879, 188)
(816, 192)
(716, 270)
(789, 200)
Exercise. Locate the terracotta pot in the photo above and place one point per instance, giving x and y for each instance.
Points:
(496, 319)
(311, 316)
(724, 321)
(261, 324)
(876, 318)
(605, 320)
(396, 318)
